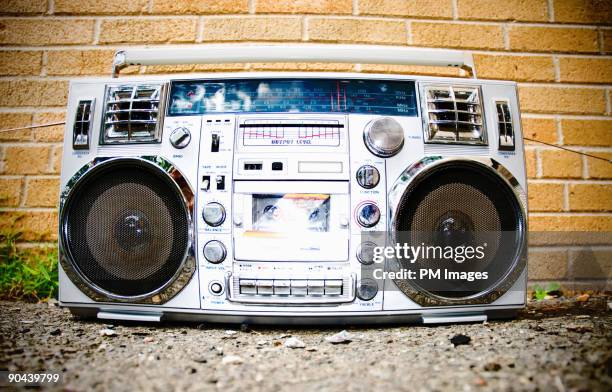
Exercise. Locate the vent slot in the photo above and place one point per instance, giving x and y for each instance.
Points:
(131, 114)
(504, 126)
(82, 124)
(453, 115)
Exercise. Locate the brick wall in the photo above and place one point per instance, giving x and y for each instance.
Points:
(559, 50)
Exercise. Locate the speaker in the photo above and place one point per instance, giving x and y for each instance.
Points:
(448, 205)
(126, 230)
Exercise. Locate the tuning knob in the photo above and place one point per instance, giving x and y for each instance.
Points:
(213, 214)
(368, 214)
(384, 137)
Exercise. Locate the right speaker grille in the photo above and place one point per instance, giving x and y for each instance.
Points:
(448, 209)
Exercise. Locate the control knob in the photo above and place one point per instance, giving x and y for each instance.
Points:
(180, 137)
(384, 137)
(368, 176)
(214, 251)
(368, 214)
(213, 214)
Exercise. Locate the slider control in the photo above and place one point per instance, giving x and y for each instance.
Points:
(216, 140)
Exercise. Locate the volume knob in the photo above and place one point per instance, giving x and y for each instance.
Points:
(213, 214)
(214, 252)
(368, 214)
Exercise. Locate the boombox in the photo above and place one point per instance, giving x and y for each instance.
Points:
(293, 198)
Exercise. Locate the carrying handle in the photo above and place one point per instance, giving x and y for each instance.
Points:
(325, 53)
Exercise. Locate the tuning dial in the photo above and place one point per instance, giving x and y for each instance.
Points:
(180, 137)
(213, 214)
(384, 137)
(214, 251)
(368, 176)
(368, 214)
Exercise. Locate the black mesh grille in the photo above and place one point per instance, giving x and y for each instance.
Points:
(461, 203)
(126, 228)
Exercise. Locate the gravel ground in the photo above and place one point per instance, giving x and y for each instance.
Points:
(560, 344)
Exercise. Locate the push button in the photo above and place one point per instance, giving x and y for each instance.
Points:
(299, 287)
(277, 166)
(282, 287)
(333, 287)
(316, 287)
(247, 286)
(215, 288)
(265, 287)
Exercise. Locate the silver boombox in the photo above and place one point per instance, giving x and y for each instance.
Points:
(273, 197)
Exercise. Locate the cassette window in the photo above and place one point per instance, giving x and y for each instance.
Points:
(291, 212)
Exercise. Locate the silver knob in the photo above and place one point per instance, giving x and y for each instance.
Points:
(368, 176)
(368, 214)
(367, 289)
(213, 214)
(384, 137)
(180, 137)
(214, 251)
(365, 253)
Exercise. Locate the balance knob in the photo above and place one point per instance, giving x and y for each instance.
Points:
(214, 251)
(180, 137)
(213, 214)
(368, 176)
(368, 215)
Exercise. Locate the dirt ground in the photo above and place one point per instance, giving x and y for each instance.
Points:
(554, 345)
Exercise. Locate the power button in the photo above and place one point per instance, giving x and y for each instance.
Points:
(215, 288)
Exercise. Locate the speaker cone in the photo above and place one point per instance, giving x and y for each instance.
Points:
(126, 228)
(447, 208)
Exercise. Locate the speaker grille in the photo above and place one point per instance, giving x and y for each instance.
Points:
(461, 203)
(126, 228)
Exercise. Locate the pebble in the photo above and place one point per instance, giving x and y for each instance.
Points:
(583, 297)
(231, 360)
(460, 339)
(294, 342)
(342, 337)
(107, 332)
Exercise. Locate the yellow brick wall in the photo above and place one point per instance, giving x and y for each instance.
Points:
(560, 51)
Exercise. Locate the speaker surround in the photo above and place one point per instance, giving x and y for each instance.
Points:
(126, 230)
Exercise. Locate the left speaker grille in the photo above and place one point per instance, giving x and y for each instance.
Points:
(126, 228)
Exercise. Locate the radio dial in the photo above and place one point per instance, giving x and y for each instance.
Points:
(368, 214)
(213, 214)
(214, 251)
(384, 137)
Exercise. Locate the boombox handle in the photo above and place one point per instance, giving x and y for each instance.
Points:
(326, 53)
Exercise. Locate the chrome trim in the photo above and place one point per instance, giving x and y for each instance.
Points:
(415, 173)
(159, 121)
(484, 139)
(183, 274)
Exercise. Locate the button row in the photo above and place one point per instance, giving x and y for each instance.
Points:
(298, 287)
